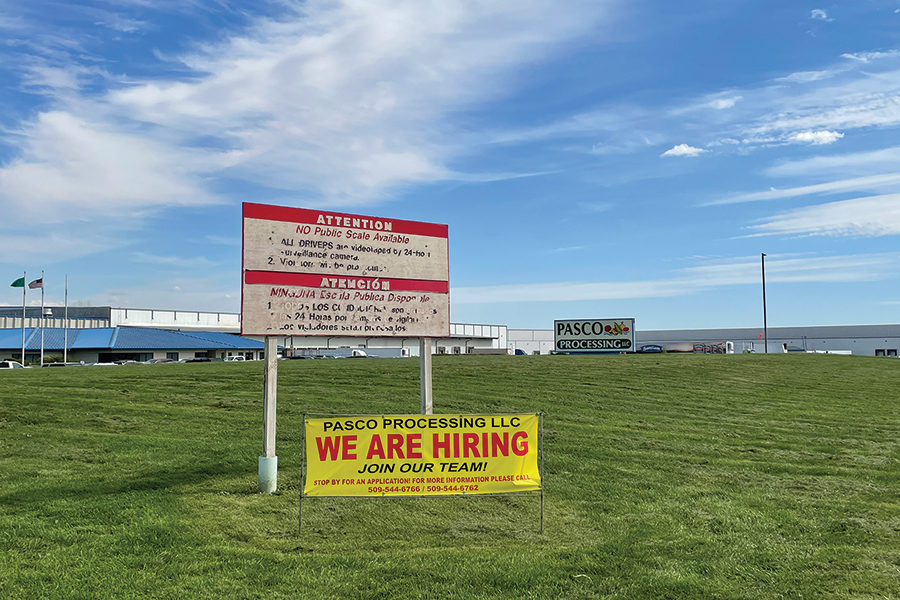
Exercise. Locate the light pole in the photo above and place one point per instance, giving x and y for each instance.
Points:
(762, 258)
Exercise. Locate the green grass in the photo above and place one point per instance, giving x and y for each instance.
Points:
(666, 477)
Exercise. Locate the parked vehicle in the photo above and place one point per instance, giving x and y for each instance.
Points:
(237, 358)
(159, 361)
(10, 364)
(650, 349)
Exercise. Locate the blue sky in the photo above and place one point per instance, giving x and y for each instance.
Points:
(592, 158)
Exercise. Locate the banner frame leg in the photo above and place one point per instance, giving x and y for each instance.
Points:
(302, 474)
(541, 447)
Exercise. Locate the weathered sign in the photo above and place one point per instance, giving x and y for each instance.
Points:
(312, 272)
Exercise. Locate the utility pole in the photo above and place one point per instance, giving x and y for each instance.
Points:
(765, 324)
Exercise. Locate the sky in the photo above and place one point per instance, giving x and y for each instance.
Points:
(593, 159)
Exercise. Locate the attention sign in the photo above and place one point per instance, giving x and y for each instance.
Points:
(421, 455)
(593, 335)
(311, 272)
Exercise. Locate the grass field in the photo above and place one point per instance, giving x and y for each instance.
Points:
(667, 476)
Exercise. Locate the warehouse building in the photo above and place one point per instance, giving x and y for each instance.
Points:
(110, 344)
(464, 338)
(864, 340)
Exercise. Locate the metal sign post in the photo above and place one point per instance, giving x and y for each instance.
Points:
(268, 462)
(425, 376)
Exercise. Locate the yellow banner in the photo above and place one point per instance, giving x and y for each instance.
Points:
(422, 455)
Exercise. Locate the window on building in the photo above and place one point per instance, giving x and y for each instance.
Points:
(442, 350)
(879, 351)
(892, 352)
(457, 350)
(172, 355)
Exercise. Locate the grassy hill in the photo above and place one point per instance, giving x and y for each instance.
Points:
(667, 476)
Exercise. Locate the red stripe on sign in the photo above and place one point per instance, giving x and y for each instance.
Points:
(342, 282)
(344, 220)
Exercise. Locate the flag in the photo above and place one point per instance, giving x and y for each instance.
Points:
(20, 282)
(759, 337)
(37, 283)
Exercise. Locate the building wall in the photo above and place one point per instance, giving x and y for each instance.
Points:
(532, 341)
(7, 322)
(176, 319)
(464, 338)
(863, 340)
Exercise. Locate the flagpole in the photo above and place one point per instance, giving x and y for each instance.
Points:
(66, 325)
(42, 317)
(24, 287)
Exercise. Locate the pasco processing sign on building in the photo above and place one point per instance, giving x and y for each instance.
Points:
(593, 335)
(311, 272)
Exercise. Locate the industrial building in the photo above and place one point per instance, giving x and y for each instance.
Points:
(864, 340)
(103, 333)
(120, 331)
(110, 344)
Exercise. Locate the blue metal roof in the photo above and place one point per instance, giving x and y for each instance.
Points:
(12, 338)
(125, 338)
(92, 338)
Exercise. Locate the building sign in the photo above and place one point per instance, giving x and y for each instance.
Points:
(421, 455)
(593, 335)
(311, 272)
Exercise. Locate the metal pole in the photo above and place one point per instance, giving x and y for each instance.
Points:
(66, 325)
(541, 449)
(765, 323)
(268, 462)
(302, 474)
(42, 317)
(24, 287)
(427, 397)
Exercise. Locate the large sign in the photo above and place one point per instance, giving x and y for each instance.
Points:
(421, 455)
(593, 335)
(312, 272)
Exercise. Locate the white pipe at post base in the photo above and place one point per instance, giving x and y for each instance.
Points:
(268, 462)
(426, 396)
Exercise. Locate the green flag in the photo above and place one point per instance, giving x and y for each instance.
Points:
(20, 282)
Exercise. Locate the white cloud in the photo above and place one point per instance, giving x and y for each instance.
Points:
(816, 138)
(817, 14)
(873, 182)
(866, 57)
(71, 169)
(723, 103)
(350, 98)
(806, 76)
(339, 101)
(180, 262)
(183, 293)
(693, 280)
(122, 24)
(683, 150)
(872, 216)
(851, 163)
(49, 246)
